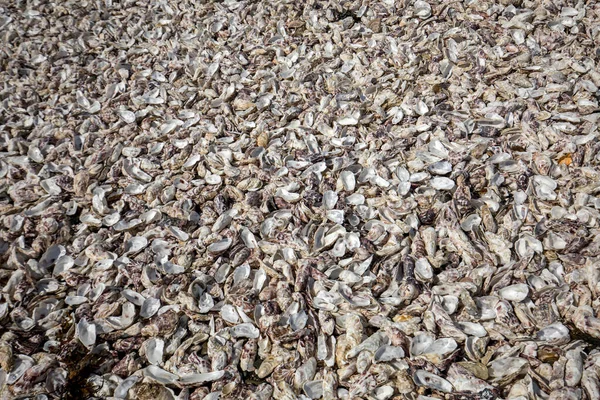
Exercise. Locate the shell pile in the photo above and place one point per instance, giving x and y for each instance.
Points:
(288, 199)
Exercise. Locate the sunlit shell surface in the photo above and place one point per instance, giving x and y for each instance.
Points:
(299, 200)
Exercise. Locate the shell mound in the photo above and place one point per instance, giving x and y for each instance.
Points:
(299, 200)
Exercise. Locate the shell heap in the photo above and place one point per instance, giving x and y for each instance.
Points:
(299, 199)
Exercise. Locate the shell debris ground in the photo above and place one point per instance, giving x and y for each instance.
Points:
(283, 199)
